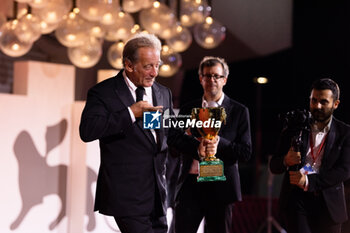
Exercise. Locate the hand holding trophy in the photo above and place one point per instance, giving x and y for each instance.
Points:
(211, 118)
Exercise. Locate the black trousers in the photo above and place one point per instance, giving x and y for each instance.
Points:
(142, 224)
(195, 202)
(307, 213)
(153, 223)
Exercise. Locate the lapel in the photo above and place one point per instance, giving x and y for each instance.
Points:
(123, 92)
(158, 100)
(329, 144)
(156, 95)
(226, 104)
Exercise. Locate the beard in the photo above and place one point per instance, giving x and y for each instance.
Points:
(320, 115)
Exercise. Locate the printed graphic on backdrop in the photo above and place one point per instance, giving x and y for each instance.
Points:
(35, 175)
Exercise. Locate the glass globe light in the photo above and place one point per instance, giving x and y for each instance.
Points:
(193, 12)
(54, 11)
(121, 29)
(158, 19)
(108, 18)
(209, 34)
(21, 12)
(96, 30)
(98, 10)
(72, 31)
(28, 28)
(115, 55)
(181, 40)
(168, 32)
(86, 55)
(135, 29)
(171, 62)
(147, 4)
(46, 28)
(132, 6)
(10, 43)
(38, 3)
(2, 19)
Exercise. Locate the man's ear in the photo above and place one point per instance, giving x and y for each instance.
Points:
(128, 65)
(336, 104)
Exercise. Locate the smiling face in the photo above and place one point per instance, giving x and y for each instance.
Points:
(144, 71)
(213, 87)
(322, 105)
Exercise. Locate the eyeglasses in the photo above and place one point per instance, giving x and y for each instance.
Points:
(215, 76)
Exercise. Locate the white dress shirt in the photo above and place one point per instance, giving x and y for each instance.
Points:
(318, 139)
(146, 97)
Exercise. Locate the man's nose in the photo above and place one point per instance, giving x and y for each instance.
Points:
(318, 105)
(154, 71)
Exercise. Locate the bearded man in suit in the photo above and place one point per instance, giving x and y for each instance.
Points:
(312, 196)
(131, 180)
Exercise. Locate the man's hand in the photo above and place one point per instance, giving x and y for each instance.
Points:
(292, 158)
(143, 106)
(208, 147)
(297, 178)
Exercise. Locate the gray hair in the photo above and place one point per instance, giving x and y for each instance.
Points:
(209, 61)
(139, 40)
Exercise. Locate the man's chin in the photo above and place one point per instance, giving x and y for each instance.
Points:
(318, 119)
(318, 116)
(148, 83)
(321, 119)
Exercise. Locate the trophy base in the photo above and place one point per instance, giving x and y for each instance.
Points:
(211, 171)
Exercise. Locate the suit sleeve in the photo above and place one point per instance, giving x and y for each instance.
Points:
(182, 143)
(238, 148)
(100, 120)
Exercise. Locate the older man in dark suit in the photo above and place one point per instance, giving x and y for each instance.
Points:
(131, 179)
(312, 197)
(212, 200)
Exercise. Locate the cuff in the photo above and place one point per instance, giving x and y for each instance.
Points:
(132, 116)
(306, 187)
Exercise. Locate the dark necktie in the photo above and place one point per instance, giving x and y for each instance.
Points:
(140, 91)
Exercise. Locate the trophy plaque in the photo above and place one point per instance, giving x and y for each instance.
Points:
(211, 118)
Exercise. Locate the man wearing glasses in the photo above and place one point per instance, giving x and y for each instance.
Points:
(211, 200)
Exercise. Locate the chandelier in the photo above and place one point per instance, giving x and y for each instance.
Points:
(83, 25)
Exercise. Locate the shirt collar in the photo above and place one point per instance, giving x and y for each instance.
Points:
(325, 129)
(205, 103)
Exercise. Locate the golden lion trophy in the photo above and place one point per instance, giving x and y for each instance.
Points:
(208, 124)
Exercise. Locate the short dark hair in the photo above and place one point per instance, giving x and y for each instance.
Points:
(327, 84)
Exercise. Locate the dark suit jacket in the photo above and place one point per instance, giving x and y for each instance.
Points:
(234, 145)
(334, 170)
(132, 164)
